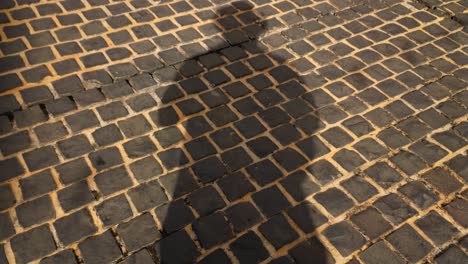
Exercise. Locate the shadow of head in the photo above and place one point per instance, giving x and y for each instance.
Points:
(224, 129)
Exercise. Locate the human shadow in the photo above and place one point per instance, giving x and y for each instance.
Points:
(237, 128)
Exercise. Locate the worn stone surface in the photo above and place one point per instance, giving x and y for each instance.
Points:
(214, 131)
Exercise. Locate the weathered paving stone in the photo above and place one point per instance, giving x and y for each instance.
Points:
(139, 232)
(212, 230)
(101, 248)
(337, 137)
(218, 256)
(249, 127)
(438, 229)
(278, 239)
(113, 180)
(36, 74)
(174, 216)
(177, 247)
(140, 257)
(190, 106)
(249, 248)
(60, 106)
(107, 135)
(147, 195)
(409, 243)
(429, 152)
(168, 136)
(73, 171)
(262, 146)
(456, 210)
(380, 253)
(419, 194)
(37, 184)
(10, 168)
(264, 172)
(117, 89)
(205, 200)
(15, 143)
(242, 216)
(75, 226)
(370, 149)
(36, 211)
(235, 186)
(33, 244)
(139, 147)
(383, 174)
(307, 217)
(98, 77)
(289, 159)
(358, 125)
(302, 251)
(299, 185)
(451, 255)
(442, 181)
(348, 159)
(105, 158)
(82, 120)
(114, 210)
(450, 140)
(263, 199)
(75, 146)
(457, 164)
(394, 208)
(371, 223)
(65, 256)
(41, 158)
(236, 159)
(164, 116)
(50, 132)
(173, 158)
(323, 171)
(68, 85)
(29, 117)
(408, 162)
(6, 224)
(146, 168)
(112, 111)
(178, 183)
(379, 117)
(334, 200)
(344, 238)
(9, 104)
(359, 188)
(141, 102)
(75, 196)
(5, 125)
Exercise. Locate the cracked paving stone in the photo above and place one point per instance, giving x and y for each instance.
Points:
(380, 253)
(394, 208)
(409, 243)
(344, 238)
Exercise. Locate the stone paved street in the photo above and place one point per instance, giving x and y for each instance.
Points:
(251, 131)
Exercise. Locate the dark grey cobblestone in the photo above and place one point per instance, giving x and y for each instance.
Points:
(245, 131)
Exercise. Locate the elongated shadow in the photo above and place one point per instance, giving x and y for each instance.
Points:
(238, 128)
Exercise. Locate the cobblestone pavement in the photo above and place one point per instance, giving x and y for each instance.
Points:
(213, 131)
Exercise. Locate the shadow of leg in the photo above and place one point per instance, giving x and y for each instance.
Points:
(236, 131)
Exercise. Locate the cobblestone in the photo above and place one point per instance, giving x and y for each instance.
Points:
(250, 131)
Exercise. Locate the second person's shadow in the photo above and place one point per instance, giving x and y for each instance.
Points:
(237, 130)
